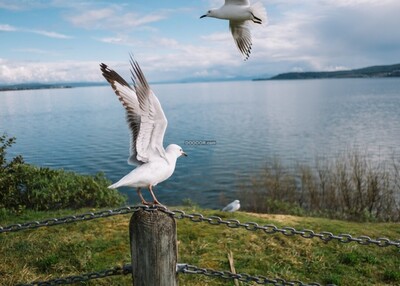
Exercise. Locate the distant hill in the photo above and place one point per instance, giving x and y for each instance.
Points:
(28, 86)
(368, 72)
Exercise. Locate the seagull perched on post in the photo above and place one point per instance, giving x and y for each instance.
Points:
(240, 13)
(147, 123)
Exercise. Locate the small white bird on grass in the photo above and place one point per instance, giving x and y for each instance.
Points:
(232, 207)
(240, 14)
(147, 123)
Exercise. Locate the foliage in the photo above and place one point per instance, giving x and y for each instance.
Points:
(189, 203)
(348, 187)
(23, 186)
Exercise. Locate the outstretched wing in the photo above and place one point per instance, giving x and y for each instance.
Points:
(127, 95)
(144, 114)
(242, 36)
(153, 123)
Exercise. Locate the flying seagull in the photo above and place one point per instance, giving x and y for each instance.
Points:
(147, 124)
(240, 14)
(232, 207)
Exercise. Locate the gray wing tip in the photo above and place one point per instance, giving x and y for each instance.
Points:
(137, 73)
(244, 48)
(103, 66)
(246, 55)
(112, 76)
(105, 70)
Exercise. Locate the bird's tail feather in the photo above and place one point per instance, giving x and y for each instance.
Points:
(259, 11)
(124, 181)
(114, 186)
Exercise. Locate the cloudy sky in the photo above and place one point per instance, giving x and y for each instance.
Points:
(64, 41)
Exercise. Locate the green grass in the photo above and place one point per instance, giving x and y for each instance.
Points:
(77, 248)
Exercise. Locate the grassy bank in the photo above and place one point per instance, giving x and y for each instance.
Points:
(83, 247)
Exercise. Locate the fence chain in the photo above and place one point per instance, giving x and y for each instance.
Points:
(71, 219)
(124, 270)
(243, 277)
(212, 220)
(181, 268)
(287, 231)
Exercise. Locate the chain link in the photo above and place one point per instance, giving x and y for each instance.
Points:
(243, 277)
(287, 231)
(75, 218)
(212, 220)
(181, 268)
(124, 270)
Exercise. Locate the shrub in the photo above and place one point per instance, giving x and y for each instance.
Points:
(24, 186)
(348, 187)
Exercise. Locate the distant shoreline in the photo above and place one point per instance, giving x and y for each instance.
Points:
(386, 71)
(383, 71)
(32, 88)
(37, 86)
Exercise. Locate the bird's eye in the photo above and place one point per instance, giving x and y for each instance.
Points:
(180, 150)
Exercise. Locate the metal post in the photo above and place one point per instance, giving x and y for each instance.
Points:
(154, 249)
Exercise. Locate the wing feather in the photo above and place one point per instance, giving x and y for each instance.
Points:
(153, 121)
(144, 114)
(127, 96)
(242, 36)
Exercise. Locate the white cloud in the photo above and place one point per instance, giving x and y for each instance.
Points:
(120, 39)
(167, 43)
(92, 18)
(36, 51)
(113, 18)
(7, 28)
(112, 40)
(50, 34)
(217, 37)
(63, 71)
(301, 35)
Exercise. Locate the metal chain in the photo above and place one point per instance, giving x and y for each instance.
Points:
(181, 268)
(287, 231)
(124, 270)
(213, 220)
(71, 219)
(190, 269)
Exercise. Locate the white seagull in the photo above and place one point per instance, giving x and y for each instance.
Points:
(232, 207)
(147, 123)
(240, 13)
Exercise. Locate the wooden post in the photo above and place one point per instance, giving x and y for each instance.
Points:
(154, 249)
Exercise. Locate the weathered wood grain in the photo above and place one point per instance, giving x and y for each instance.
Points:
(153, 248)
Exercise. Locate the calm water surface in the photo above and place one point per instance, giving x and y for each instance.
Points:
(84, 129)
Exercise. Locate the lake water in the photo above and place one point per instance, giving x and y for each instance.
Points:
(84, 129)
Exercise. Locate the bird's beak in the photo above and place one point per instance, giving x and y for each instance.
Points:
(203, 16)
(184, 154)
